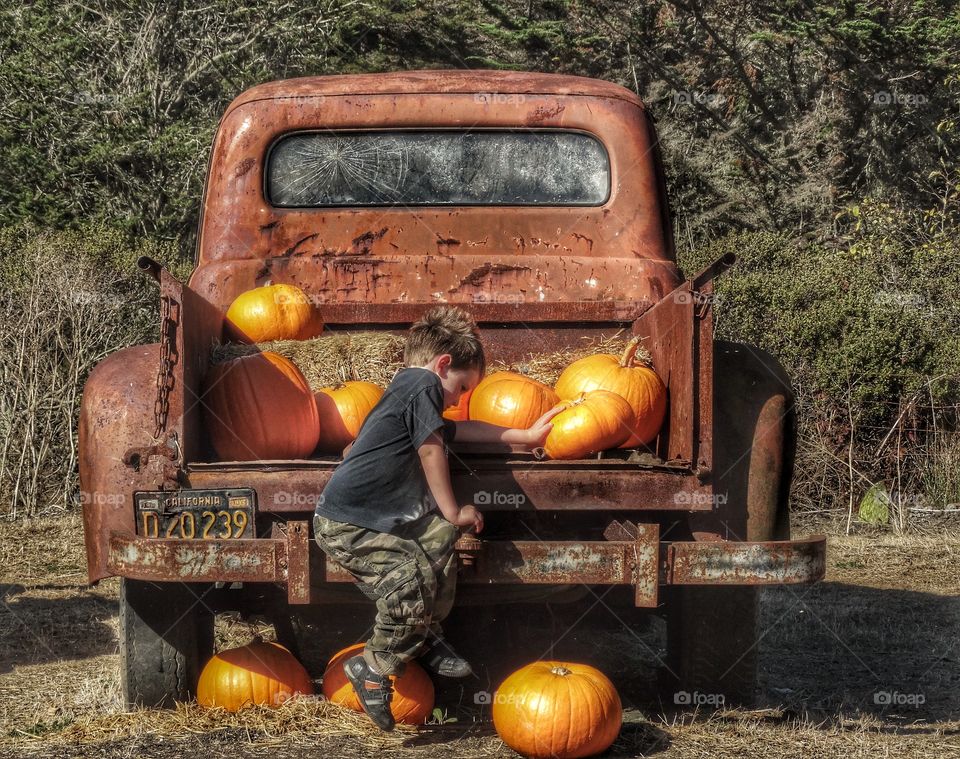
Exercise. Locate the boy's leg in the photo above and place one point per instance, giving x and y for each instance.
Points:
(394, 572)
(436, 537)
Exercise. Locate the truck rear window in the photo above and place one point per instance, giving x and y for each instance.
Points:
(553, 168)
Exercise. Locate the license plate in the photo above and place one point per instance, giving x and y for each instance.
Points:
(195, 514)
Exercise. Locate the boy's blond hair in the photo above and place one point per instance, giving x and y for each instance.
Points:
(445, 329)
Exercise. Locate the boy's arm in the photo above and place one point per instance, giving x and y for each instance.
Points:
(482, 432)
(437, 472)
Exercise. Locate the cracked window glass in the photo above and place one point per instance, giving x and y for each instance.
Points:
(313, 169)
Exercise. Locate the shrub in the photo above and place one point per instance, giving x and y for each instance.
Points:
(67, 300)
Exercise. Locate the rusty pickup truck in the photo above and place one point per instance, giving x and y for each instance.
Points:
(539, 203)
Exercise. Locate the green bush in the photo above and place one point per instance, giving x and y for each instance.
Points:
(868, 326)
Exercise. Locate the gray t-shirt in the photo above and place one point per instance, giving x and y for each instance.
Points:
(380, 484)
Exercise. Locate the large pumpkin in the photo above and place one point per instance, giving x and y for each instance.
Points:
(258, 673)
(557, 709)
(413, 693)
(342, 410)
(273, 312)
(596, 421)
(636, 383)
(259, 407)
(511, 400)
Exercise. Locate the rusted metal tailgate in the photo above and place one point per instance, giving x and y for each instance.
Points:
(645, 563)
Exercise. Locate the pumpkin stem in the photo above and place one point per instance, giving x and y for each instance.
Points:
(562, 671)
(630, 357)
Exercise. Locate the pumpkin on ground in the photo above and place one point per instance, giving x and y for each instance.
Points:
(342, 410)
(259, 407)
(413, 693)
(557, 709)
(596, 421)
(259, 673)
(511, 400)
(273, 312)
(636, 383)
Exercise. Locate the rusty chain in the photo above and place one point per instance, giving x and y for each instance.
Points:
(169, 316)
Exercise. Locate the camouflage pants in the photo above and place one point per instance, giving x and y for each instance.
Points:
(410, 574)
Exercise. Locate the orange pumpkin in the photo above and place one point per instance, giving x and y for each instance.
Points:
(259, 407)
(259, 673)
(460, 412)
(413, 693)
(638, 384)
(557, 709)
(511, 400)
(342, 410)
(273, 312)
(596, 421)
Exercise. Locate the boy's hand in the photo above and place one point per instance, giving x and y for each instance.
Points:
(537, 432)
(470, 516)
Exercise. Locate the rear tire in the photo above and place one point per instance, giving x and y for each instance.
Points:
(711, 647)
(166, 636)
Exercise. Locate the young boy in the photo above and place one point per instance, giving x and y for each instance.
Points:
(378, 516)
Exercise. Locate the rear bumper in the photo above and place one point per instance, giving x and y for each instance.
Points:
(645, 563)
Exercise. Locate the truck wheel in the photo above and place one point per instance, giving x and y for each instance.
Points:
(711, 647)
(712, 631)
(166, 636)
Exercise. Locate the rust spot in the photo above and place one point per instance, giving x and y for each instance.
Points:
(243, 167)
(364, 242)
(445, 243)
(269, 227)
(476, 277)
(584, 238)
(542, 113)
(293, 248)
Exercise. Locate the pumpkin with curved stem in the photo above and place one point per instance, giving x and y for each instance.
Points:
(511, 400)
(342, 410)
(272, 312)
(635, 382)
(259, 673)
(596, 421)
(557, 709)
(413, 693)
(259, 407)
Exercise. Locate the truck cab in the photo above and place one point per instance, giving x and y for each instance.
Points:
(538, 203)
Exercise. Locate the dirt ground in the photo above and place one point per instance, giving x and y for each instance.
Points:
(866, 663)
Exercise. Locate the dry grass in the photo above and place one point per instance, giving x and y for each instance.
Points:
(376, 357)
(886, 619)
(334, 357)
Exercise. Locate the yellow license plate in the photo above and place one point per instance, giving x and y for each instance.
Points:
(195, 514)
